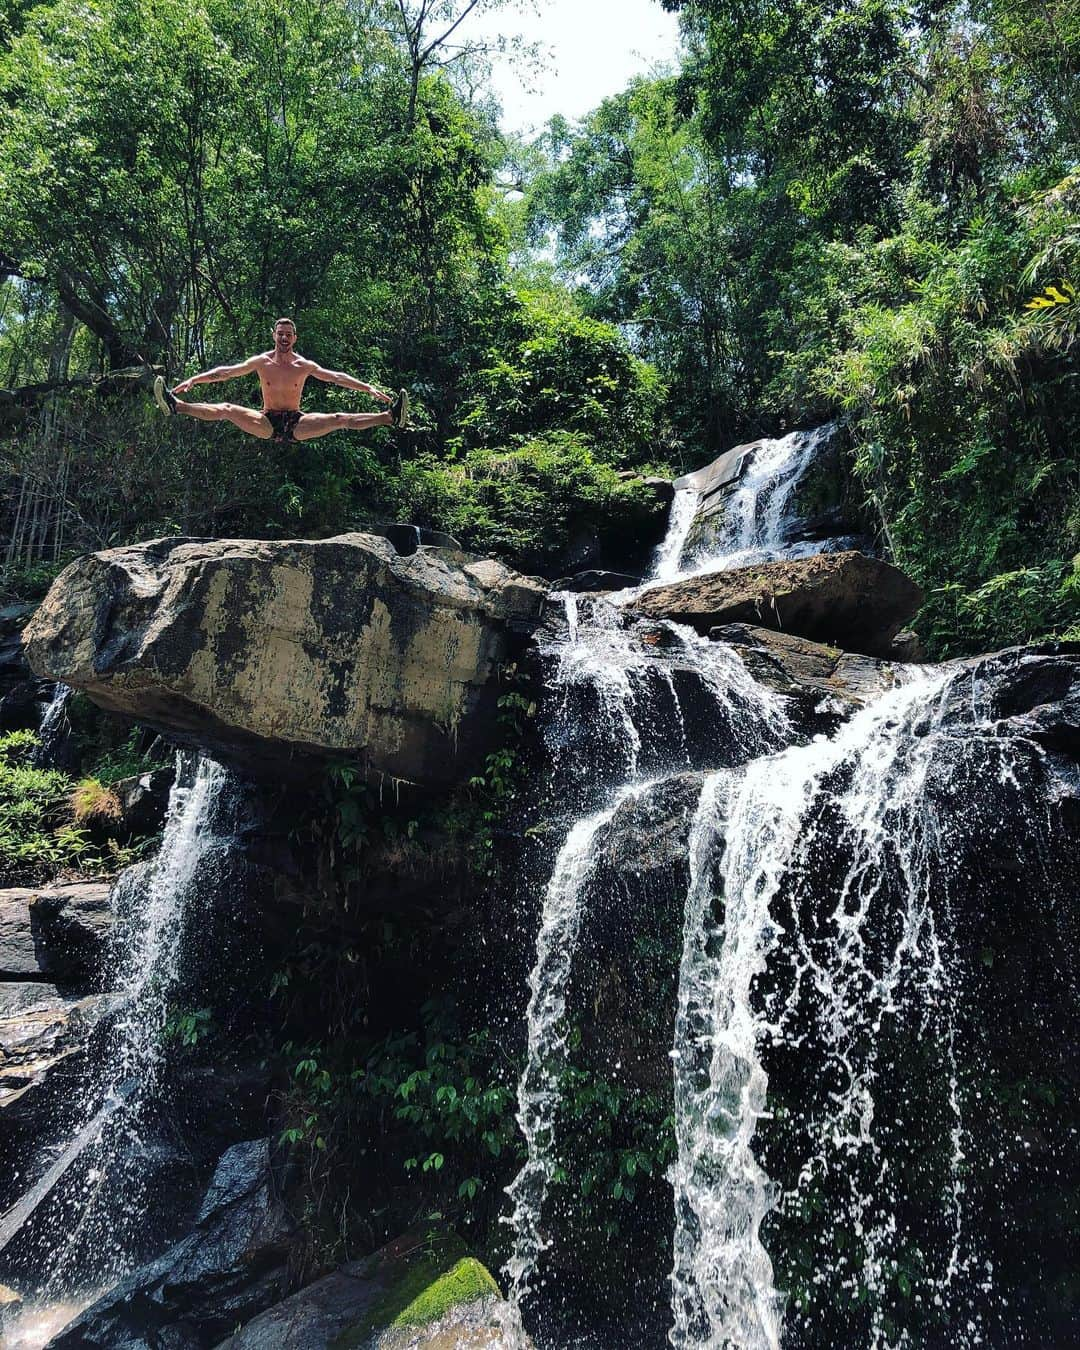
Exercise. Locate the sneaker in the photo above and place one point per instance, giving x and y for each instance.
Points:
(163, 397)
(399, 409)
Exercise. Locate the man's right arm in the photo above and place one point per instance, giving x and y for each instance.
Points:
(218, 373)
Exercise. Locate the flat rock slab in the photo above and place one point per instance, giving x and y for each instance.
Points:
(845, 599)
(39, 1029)
(796, 666)
(55, 932)
(258, 650)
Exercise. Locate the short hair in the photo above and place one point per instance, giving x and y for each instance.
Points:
(288, 321)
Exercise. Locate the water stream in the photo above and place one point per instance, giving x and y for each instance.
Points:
(91, 1228)
(755, 521)
(52, 724)
(819, 939)
(603, 741)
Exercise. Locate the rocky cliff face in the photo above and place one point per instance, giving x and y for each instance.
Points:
(269, 652)
(262, 651)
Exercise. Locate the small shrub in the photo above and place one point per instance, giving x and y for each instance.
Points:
(527, 502)
(95, 804)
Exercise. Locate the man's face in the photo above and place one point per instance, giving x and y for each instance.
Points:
(284, 337)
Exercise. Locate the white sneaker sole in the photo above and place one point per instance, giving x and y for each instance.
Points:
(159, 395)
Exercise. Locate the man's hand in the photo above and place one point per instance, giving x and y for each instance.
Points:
(183, 386)
(383, 398)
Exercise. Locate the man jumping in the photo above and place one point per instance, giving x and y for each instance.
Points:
(282, 374)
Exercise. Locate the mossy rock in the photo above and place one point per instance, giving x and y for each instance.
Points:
(428, 1288)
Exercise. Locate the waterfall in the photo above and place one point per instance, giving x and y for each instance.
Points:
(538, 1088)
(603, 679)
(722, 1279)
(755, 516)
(94, 1235)
(834, 864)
(52, 722)
(669, 554)
(819, 948)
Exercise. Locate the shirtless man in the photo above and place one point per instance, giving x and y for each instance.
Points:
(282, 374)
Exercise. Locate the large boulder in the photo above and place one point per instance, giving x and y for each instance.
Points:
(229, 1267)
(845, 599)
(257, 650)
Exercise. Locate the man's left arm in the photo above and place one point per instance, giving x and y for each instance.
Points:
(348, 382)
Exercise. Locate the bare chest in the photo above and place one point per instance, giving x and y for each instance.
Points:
(282, 385)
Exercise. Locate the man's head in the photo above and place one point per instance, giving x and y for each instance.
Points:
(284, 335)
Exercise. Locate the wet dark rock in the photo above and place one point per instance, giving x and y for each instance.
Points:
(907, 648)
(718, 476)
(1034, 691)
(406, 539)
(40, 1028)
(623, 990)
(845, 599)
(144, 798)
(261, 651)
(230, 1267)
(57, 933)
(22, 694)
(823, 685)
(12, 617)
(596, 580)
(315, 1317)
(821, 528)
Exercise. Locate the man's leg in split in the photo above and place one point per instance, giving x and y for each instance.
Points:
(247, 419)
(312, 425)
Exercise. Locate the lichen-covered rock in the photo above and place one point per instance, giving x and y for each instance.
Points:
(257, 650)
(846, 599)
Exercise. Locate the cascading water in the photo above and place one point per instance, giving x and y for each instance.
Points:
(52, 723)
(757, 512)
(600, 751)
(667, 565)
(757, 516)
(761, 819)
(96, 1228)
(819, 1088)
(835, 864)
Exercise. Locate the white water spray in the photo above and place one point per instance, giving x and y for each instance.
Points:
(602, 655)
(860, 954)
(52, 721)
(101, 1220)
(754, 519)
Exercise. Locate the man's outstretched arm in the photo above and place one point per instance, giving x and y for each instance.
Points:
(348, 382)
(218, 373)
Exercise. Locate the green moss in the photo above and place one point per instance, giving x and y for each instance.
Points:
(423, 1294)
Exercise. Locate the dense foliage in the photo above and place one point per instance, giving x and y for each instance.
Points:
(872, 208)
(172, 178)
(55, 823)
(858, 208)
